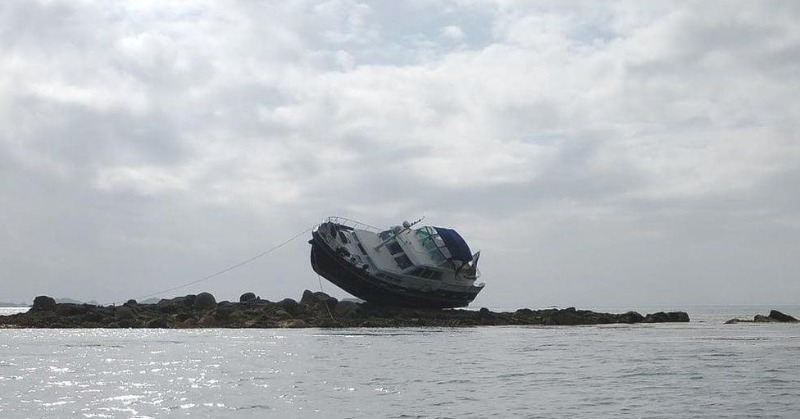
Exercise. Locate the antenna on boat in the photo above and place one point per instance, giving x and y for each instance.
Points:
(398, 231)
(408, 225)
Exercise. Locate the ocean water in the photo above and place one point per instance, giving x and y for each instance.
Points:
(703, 369)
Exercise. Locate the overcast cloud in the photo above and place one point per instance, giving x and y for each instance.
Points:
(598, 153)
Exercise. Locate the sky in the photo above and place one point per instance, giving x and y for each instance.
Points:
(616, 153)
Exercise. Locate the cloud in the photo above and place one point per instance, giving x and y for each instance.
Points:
(586, 148)
(453, 32)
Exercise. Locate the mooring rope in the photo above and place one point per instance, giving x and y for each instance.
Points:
(319, 278)
(230, 268)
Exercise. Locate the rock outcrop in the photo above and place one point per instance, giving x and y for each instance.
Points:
(43, 303)
(774, 316)
(315, 309)
(781, 317)
(671, 317)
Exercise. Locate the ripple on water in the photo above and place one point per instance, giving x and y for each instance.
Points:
(695, 371)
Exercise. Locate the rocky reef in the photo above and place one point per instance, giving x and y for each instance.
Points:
(774, 316)
(315, 309)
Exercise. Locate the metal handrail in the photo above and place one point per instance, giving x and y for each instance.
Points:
(352, 223)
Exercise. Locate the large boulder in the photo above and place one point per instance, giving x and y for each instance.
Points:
(318, 300)
(289, 305)
(43, 303)
(248, 296)
(204, 301)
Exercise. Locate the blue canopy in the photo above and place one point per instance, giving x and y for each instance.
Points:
(455, 244)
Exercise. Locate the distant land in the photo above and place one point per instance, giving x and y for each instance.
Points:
(64, 300)
(4, 304)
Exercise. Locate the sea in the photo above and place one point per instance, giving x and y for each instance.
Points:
(701, 369)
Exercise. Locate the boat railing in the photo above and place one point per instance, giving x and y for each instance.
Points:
(352, 223)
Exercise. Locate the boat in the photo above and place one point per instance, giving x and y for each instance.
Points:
(405, 265)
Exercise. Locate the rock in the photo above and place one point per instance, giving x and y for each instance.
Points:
(780, 317)
(774, 316)
(631, 317)
(671, 317)
(565, 317)
(292, 323)
(158, 323)
(346, 309)
(182, 316)
(124, 313)
(187, 324)
(315, 309)
(678, 317)
(67, 310)
(175, 304)
(204, 301)
(280, 314)
(130, 302)
(223, 311)
(166, 306)
(207, 321)
(659, 317)
(318, 300)
(524, 312)
(43, 303)
(289, 305)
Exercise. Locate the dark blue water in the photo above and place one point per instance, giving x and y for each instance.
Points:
(703, 369)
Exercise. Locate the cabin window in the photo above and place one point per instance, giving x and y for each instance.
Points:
(361, 248)
(426, 273)
(403, 261)
(394, 248)
(343, 238)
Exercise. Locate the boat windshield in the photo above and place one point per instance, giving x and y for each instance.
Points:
(433, 244)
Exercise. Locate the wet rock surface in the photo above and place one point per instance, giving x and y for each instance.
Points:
(315, 309)
(774, 316)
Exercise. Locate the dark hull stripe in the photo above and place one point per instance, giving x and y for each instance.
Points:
(328, 264)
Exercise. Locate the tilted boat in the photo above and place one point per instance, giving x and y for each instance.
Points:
(425, 267)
